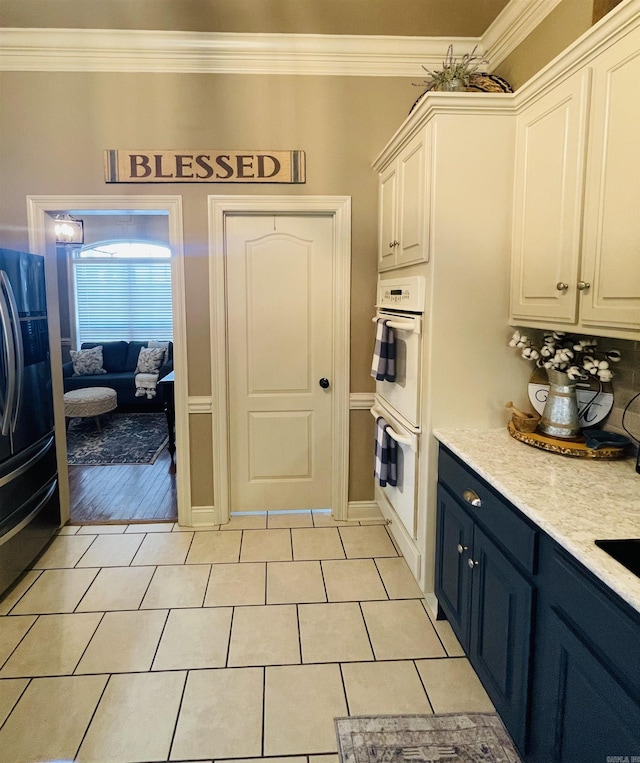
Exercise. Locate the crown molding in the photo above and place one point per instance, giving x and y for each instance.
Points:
(516, 21)
(129, 50)
(125, 50)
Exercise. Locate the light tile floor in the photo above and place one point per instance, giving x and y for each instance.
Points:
(145, 643)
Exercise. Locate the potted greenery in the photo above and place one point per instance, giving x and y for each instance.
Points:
(456, 73)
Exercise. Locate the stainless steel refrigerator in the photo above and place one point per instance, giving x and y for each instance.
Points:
(29, 499)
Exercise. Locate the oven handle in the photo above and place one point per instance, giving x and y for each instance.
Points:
(410, 440)
(408, 325)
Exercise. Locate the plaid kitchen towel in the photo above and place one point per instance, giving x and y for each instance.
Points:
(386, 454)
(383, 367)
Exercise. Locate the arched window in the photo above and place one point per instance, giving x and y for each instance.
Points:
(122, 290)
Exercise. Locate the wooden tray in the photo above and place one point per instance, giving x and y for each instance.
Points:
(576, 447)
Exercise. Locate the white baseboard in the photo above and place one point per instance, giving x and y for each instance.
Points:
(432, 604)
(403, 540)
(363, 510)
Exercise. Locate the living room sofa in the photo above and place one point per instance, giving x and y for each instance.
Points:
(120, 360)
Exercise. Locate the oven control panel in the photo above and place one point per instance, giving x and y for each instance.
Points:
(402, 294)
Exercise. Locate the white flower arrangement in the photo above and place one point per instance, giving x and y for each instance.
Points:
(577, 356)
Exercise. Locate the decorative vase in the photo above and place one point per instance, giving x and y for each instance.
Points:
(560, 415)
(454, 85)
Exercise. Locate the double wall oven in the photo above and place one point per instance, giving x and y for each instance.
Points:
(401, 302)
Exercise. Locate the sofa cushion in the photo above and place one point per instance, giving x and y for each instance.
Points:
(120, 381)
(133, 351)
(114, 354)
(149, 360)
(87, 362)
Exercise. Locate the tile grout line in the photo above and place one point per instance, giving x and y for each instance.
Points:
(366, 627)
(15, 704)
(162, 630)
(424, 688)
(93, 714)
(86, 646)
(375, 564)
(175, 725)
(24, 593)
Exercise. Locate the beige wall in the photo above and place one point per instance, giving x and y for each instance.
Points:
(51, 147)
(55, 126)
(569, 20)
(458, 18)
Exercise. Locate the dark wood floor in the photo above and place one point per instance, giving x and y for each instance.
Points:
(104, 494)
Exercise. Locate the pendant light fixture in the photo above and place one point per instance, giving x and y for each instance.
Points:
(68, 230)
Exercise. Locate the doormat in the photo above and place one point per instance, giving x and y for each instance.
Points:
(126, 438)
(454, 738)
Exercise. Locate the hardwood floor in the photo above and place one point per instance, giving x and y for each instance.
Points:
(127, 493)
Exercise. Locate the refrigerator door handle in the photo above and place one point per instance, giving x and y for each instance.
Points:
(9, 358)
(19, 349)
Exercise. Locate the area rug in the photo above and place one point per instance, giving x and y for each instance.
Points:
(451, 738)
(126, 438)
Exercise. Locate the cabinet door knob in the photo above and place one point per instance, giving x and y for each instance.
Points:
(470, 496)
(560, 286)
(472, 563)
(582, 285)
(462, 549)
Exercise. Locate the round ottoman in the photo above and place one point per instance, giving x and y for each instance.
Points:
(89, 401)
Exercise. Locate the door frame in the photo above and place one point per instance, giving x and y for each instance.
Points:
(41, 241)
(339, 209)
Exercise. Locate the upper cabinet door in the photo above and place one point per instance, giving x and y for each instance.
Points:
(550, 149)
(403, 213)
(611, 250)
(412, 204)
(387, 199)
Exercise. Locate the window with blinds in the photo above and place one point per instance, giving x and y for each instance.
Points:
(122, 291)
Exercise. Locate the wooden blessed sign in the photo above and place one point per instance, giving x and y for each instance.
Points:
(151, 166)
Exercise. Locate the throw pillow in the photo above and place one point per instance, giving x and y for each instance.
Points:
(149, 360)
(87, 362)
(160, 345)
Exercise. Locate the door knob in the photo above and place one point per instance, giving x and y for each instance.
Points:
(582, 285)
(560, 286)
(324, 383)
(462, 549)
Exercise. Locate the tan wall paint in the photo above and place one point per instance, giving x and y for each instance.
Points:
(201, 460)
(569, 20)
(361, 456)
(54, 127)
(384, 17)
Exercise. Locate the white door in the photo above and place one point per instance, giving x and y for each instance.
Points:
(279, 271)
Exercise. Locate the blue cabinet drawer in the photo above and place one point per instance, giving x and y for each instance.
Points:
(493, 513)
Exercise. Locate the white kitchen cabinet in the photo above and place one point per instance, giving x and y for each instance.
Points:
(611, 249)
(576, 227)
(403, 207)
(549, 172)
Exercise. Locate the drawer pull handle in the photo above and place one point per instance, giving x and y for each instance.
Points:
(472, 563)
(473, 498)
(462, 549)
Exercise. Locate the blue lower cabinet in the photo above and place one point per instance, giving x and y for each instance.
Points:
(453, 578)
(586, 687)
(501, 622)
(557, 651)
(582, 712)
(488, 603)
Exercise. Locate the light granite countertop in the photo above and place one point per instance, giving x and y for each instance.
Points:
(573, 500)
